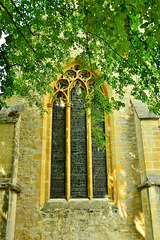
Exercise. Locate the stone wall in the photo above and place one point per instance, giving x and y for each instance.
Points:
(157, 190)
(9, 154)
(6, 158)
(131, 213)
(148, 139)
(78, 219)
(75, 220)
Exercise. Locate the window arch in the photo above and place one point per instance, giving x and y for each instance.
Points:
(78, 169)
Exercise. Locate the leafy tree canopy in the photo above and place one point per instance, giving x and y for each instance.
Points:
(115, 36)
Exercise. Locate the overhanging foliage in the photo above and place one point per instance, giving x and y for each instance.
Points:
(118, 36)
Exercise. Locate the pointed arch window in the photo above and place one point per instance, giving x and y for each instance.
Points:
(78, 169)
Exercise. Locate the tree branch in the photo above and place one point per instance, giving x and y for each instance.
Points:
(111, 48)
(129, 5)
(61, 13)
(87, 48)
(129, 39)
(22, 17)
(85, 9)
(40, 6)
(146, 44)
(11, 17)
(5, 59)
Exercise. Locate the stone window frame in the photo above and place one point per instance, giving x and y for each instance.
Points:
(64, 86)
(45, 167)
(71, 77)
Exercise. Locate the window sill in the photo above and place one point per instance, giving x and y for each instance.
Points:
(79, 204)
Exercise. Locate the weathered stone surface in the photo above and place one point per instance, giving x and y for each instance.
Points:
(11, 114)
(80, 219)
(128, 157)
(4, 195)
(152, 180)
(142, 110)
(10, 186)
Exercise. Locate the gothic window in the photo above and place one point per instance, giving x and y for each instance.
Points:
(58, 153)
(78, 169)
(78, 145)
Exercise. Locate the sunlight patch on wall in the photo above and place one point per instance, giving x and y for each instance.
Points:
(2, 171)
(139, 222)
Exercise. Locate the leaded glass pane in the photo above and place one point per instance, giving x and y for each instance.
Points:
(58, 150)
(78, 146)
(99, 169)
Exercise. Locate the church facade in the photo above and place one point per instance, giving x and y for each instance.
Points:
(56, 184)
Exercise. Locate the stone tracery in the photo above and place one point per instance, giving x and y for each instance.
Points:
(67, 89)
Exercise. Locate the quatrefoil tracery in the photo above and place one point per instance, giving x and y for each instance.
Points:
(71, 77)
(70, 74)
(62, 84)
(85, 75)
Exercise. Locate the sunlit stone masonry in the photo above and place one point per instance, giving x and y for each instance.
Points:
(55, 184)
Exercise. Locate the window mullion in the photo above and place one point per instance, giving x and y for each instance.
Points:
(68, 151)
(89, 155)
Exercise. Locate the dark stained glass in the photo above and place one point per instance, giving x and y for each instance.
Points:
(58, 150)
(99, 169)
(78, 146)
(78, 143)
